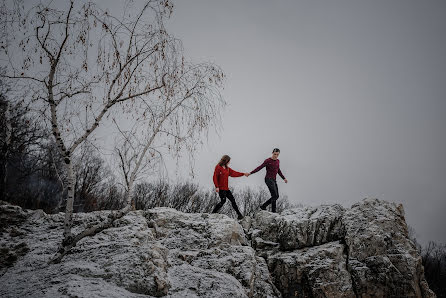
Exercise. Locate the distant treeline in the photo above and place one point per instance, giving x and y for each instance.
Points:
(433, 258)
(33, 177)
(434, 262)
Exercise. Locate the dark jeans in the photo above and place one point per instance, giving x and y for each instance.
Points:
(223, 195)
(274, 190)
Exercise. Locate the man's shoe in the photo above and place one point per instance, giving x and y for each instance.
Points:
(240, 217)
(262, 207)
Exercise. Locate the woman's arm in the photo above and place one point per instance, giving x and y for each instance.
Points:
(233, 173)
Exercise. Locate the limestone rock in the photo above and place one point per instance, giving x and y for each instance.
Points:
(329, 251)
(158, 253)
(324, 251)
(381, 258)
(209, 256)
(318, 271)
(299, 227)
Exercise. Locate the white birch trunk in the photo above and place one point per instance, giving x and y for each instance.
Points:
(67, 160)
(7, 146)
(128, 195)
(70, 200)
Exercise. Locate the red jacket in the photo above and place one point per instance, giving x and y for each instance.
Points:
(221, 176)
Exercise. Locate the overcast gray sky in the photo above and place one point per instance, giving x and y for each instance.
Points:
(352, 92)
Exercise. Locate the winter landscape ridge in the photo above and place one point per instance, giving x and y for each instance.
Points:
(323, 251)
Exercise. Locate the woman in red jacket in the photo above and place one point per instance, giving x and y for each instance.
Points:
(221, 174)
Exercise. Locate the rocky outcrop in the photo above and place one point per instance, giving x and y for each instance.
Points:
(325, 251)
(160, 252)
(318, 271)
(329, 251)
(296, 228)
(381, 259)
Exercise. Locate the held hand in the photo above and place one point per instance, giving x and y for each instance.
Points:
(246, 174)
(217, 189)
(286, 181)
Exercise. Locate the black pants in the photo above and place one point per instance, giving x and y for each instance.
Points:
(274, 190)
(223, 195)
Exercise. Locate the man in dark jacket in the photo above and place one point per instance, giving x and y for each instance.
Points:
(272, 165)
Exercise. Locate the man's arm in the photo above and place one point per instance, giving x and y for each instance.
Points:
(281, 175)
(259, 167)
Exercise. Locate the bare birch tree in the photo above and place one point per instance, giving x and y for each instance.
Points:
(79, 65)
(190, 105)
(187, 106)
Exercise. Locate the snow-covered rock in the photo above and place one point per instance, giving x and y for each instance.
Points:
(318, 271)
(325, 251)
(329, 251)
(297, 228)
(160, 252)
(381, 259)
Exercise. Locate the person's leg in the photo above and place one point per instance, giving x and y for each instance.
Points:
(264, 205)
(234, 204)
(275, 197)
(272, 190)
(222, 195)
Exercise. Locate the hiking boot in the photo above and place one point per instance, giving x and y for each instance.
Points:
(262, 207)
(240, 217)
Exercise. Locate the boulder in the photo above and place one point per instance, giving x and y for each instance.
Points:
(381, 258)
(318, 271)
(298, 228)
